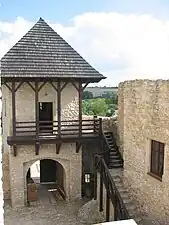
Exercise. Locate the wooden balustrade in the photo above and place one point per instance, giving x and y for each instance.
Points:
(51, 128)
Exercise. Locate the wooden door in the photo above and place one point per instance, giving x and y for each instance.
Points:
(47, 170)
(46, 116)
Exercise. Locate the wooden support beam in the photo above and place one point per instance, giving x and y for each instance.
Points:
(8, 86)
(53, 85)
(95, 179)
(41, 86)
(94, 124)
(13, 108)
(19, 85)
(107, 203)
(58, 146)
(59, 108)
(101, 190)
(80, 108)
(37, 147)
(31, 86)
(77, 88)
(100, 127)
(15, 150)
(37, 108)
(78, 146)
(115, 208)
(85, 86)
(64, 85)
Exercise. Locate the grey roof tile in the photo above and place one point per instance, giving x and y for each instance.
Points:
(43, 53)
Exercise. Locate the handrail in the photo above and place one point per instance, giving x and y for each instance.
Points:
(51, 127)
(114, 195)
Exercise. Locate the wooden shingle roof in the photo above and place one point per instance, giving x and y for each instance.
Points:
(43, 53)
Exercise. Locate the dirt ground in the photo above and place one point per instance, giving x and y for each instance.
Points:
(60, 213)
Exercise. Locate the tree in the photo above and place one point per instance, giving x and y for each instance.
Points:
(96, 107)
(87, 95)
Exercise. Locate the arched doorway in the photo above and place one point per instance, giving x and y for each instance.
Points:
(45, 181)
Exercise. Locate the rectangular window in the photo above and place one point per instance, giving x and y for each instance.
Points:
(157, 159)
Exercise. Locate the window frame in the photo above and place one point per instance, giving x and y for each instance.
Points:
(157, 159)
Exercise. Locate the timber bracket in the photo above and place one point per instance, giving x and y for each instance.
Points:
(37, 147)
(15, 150)
(78, 146)
(58, 146)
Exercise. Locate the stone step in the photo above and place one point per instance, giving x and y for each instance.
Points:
(107, 132)
(108, 135)
(113, 153)
(115, 166)
(114, 157)
(115, 161)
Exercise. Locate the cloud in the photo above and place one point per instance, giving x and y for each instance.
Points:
(120, 46)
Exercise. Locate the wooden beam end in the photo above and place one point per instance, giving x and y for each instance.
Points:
(14, 150)
(78, 146)
(58, 146)
(37, 147)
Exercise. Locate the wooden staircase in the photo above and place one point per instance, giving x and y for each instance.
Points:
(114, 157)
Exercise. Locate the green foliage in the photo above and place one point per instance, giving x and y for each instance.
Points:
(103, 106)
(87, 95)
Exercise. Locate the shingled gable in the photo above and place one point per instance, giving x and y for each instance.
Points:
(43, 53)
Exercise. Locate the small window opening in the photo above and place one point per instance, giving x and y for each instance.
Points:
(87, 178)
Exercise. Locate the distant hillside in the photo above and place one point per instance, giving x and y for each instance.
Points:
(99, 91)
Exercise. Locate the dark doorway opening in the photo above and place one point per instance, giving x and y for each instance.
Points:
(46, 117)
(45, 182)
(47, 171)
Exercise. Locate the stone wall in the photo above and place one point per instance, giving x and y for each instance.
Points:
(143, 114)
(68, 158)
(25, 111)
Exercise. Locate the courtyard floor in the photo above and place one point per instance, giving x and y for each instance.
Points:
(46, 211)
(60, 213)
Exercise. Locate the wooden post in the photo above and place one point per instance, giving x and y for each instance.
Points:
(95, 179)
(100, 127)
(94, 129)
(13, 108)
(59, 108)
(37, 109)
(101, 189)
(107, 203)
(115, 207)
(80, 108)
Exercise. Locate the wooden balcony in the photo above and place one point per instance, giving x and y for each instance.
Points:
(54, 131)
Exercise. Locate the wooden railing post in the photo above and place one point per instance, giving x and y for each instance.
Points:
(94, 124)
(100, 126)
(115, 207)
(107, 203)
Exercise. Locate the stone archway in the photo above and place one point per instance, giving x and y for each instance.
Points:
(58, 180)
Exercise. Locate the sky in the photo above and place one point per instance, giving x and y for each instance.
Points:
(123, 39)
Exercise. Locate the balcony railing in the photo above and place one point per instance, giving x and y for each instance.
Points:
(58, 129)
